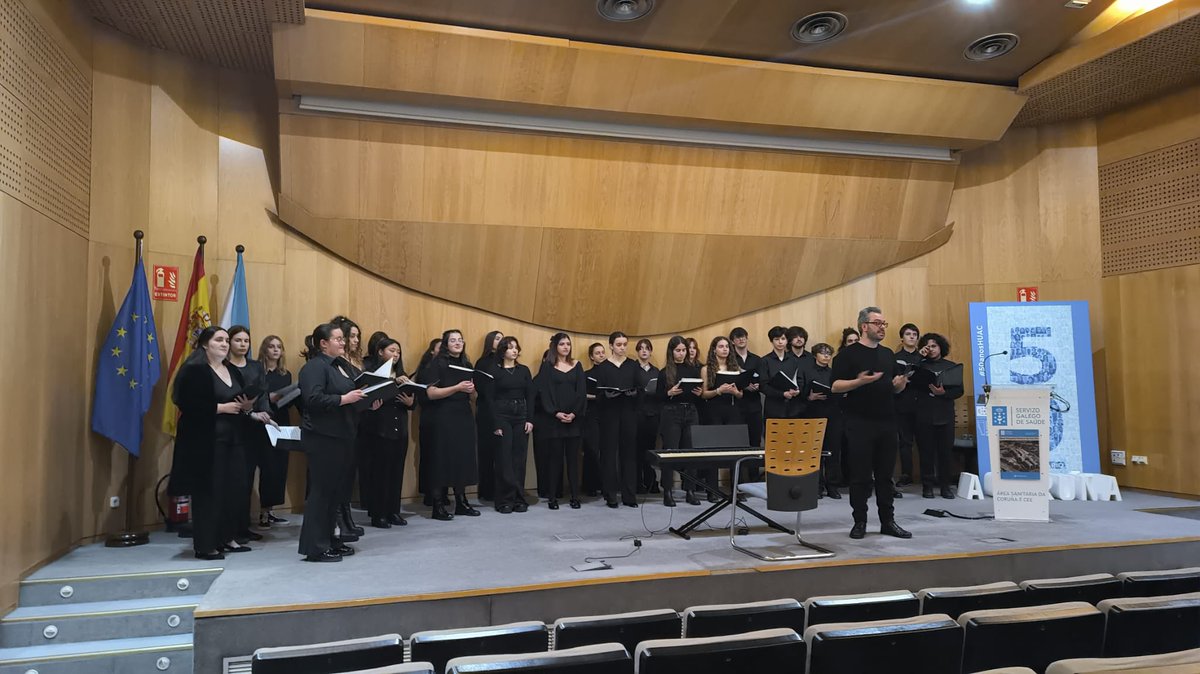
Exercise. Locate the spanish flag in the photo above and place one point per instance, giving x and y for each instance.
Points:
(195, 318)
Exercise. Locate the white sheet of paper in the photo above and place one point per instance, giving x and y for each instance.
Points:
(282, 433)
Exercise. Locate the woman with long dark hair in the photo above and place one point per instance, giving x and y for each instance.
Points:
(385, 436)
(331, 407)
(562, 406)
(209, 459)
(485, 441)
(508, 398)
(935, 417)
(618, 424)
(272, 479)
(256, 446)
(679, 413)
(353, 356)
(849, 336)
(452, 424)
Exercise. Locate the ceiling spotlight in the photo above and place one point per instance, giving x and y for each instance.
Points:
(1078, 4)
(624, 10)
(819, 27)
(991, 46)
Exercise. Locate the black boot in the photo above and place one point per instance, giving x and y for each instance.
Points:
(439, 508)
(690, 497)
(461, 507)
(347, 522)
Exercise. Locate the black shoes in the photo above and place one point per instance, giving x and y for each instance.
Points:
(275, 520)
(343, 550)
(893, 529)
(520, 507)
(904, 481)
(210, 556)
(631, 505)
(240, 548)
(948, 492)
(553, 504)
(397, 520)
(613, 504)
(461, 507)
(575, 504)
(247, 536)
(690, 497)
(327, 556)
(833, 493)
(926, 492)
(439, 513)
(346, 521)
(896, 493)
(713, 498)
(347, 536)
(859, 530)
(380, 523)
(504, 509)
(668, 498)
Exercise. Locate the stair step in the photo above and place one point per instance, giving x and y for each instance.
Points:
(171, 653)
(91, 589)
(95, 621)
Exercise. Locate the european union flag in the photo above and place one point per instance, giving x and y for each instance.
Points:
(127, 368)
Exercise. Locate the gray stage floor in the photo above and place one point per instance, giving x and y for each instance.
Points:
(497, 551)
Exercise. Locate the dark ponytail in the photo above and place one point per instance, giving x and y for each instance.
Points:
(312, 343)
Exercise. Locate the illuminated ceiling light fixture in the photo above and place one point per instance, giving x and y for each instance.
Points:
(1078, 4)
(991, 46)
(624, 10)
(819, 27)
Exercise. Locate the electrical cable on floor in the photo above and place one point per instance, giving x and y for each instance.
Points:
(637, 545)
(934, 512)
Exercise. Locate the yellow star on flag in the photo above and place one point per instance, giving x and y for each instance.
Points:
(133, 383)
(116, 351)
(121, 371)
(135, 317)
(121, 332)
(149, 338)
(149, 356)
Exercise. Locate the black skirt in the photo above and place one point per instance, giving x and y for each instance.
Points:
(452, 457)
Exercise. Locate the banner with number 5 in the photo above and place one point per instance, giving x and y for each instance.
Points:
(1048, 344)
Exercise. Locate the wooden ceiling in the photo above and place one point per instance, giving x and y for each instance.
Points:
(924, 38)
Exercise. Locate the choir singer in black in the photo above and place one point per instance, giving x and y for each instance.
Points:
(935, 414)
(508, 398)
(562, 399)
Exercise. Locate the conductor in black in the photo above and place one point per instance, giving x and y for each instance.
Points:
(866, 373)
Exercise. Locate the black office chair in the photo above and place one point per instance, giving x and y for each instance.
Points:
(594, 659)
(441, 646)
(714, 620)
(331, 656)
(627, 629)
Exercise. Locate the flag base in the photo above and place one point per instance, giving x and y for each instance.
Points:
(127, 539)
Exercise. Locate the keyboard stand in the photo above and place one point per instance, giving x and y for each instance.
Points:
(724, 501)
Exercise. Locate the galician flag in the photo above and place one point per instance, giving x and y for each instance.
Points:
(237, 308)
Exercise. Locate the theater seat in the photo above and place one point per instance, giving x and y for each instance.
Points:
(1182, 662)
(441, 646)
(859, 607)
(778, 650)
(627, 629)
(1158, 583)
(1093, 589)
(594, 659)
(1032, 636)
(954, 601)
(929, 644)
(1008, 670)
(331, 656)
(410, 668)
(717, 619)
(1150, 625)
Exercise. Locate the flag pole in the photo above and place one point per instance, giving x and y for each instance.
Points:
(129, 537)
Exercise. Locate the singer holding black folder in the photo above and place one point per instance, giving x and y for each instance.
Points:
(562, 400)
(385, 440)
(866, 373)
(938, 382)
(256, 445)
(824, 404)
(648, 418)
(618, 394)
(780, 378)
(452, 425)
(679, 388)
(272, 480)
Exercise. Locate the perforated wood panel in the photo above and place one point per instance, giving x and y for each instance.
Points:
(1150, 210)
(228, 33)
(793, 446)
(1158, 63)
(45, 120)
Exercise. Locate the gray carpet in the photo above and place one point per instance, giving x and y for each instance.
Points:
(495, 551)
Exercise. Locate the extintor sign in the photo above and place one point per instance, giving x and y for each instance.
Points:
(164, 284)
(1027, 294)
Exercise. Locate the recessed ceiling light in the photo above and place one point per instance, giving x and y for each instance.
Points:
(819, 27)
(991, 46)
(624, 10)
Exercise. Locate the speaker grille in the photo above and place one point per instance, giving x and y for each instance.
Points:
(819, 27)
(989, 47)
(624, 10)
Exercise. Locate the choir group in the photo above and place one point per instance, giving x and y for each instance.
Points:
(476, 418)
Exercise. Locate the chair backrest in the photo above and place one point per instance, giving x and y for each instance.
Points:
(1159, 583)
(627, 629)
(1151, 625)
(1008, 670)
(1182, 662)
(594, 659)
(441, 646)
(777, 650)
(929, 644)
(720, 437)
(1031, 636)
(409, 668)
(1092, 588)
(954, 601)
(793, 446)
(841, 608)
(330, 656)
(719, 619)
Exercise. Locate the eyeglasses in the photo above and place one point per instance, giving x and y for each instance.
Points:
(878, 324)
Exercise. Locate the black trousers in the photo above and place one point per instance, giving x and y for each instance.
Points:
(382, 471)
(675, 425)
(906, 428)
(509, 458)
(591, 453)
(541, 458)
(559, 450)
(272, 477)
(360, 467)
(254, 459)
(216, 514)
(871, 455)
(752, 416)
(831, 450)
(618, 450)
(647, 440)
(328, 459)
(348, 469)
(485, 443)
(937, 454)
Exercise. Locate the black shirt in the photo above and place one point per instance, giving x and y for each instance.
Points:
(778, 407)
(751, 363)
(277, 380)
(391, 419)
(624, 377)
(322, 385)
(906, 400)
(507, 386)
(877, 399)
(666, 383)
(231, 428)
(650, 405)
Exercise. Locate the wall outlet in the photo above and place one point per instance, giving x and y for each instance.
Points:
(1118, 457)
(114, 501)
(1140, 460)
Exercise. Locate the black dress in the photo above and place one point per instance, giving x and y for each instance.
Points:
(328, 435)
(451, 425)
(384, 437)
(618, 431)
(566, 392)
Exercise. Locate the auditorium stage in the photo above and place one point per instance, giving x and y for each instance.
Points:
(500, 568)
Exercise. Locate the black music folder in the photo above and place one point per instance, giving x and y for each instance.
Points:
(782, 382)
(739, 379)
(939, 373)
(815, 386)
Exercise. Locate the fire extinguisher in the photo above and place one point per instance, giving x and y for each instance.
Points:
(179, 509)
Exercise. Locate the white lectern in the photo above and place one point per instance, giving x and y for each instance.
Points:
(1018, 422)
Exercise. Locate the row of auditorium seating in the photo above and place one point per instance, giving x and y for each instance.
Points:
(966, 629)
